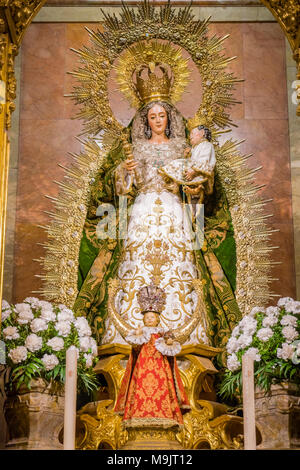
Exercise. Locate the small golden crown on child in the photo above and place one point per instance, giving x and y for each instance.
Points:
(197, 121)
(151, 299)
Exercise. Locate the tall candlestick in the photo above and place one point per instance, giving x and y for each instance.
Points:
(70, 399)
(248, 403)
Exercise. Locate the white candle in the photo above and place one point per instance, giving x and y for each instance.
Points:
(70, 399)
(248, 403)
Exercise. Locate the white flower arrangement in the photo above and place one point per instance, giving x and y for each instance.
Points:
(271, 337)
(37, 335)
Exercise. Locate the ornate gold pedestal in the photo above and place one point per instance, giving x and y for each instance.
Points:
(206, 426)
(152, 439)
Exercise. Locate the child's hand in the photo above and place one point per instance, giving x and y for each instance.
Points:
(139, 331)
(190, 174)
(169, 341)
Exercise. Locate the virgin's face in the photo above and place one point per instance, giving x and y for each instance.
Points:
(157, 119)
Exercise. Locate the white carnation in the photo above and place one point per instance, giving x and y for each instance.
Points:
(94, 347)
(65, 315)
(292, 306)
(286, 352)
(38, 324)
(85, 343)
(88, 343)
(253, 354)
(5, 305)
(256, 310)
(63, 328)
(11, 332)
(273, 311)
(46, 305)
(288, 320)
(5, 314)
(264, 334)
(50, 361)
(284, 301)
(48, 315)
(88, 360)
(18, 354)
(232, 345)
(33, 342)
(244, 340)
(290, 333)
(235, 331)
(57, 344)
(233, 363)
(82, 326)
(248, 325)
(33, 301)
(270, 320)
(25, 314)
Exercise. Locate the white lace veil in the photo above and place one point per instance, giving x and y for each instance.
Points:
(176, 124)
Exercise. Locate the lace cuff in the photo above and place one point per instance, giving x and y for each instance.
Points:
(166, 349)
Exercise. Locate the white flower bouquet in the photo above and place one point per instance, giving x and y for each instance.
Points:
(271, 336)
(36, 335)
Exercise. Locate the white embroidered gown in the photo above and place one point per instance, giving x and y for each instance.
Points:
(158, 244)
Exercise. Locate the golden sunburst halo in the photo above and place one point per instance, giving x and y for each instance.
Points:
(129, 32)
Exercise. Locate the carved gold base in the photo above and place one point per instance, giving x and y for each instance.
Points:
(152, 439)
(206, 426)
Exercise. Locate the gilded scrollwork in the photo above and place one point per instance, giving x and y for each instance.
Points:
(19, 14)
(104, 428)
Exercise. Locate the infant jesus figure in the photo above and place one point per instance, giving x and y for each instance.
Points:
(152, 392)
(195, 172)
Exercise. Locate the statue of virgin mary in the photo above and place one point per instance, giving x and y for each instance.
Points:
(159, 243)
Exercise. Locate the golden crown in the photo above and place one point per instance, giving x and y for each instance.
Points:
(154, 60)
(151, 299)
(153, 87)
(197, 121)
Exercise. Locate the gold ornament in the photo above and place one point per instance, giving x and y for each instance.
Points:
(151, 299)
(154, 88)
(152, 57)
(197, 121)
(133, 39)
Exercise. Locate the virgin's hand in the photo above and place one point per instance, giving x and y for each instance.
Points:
(130, 164)
(190, 174)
